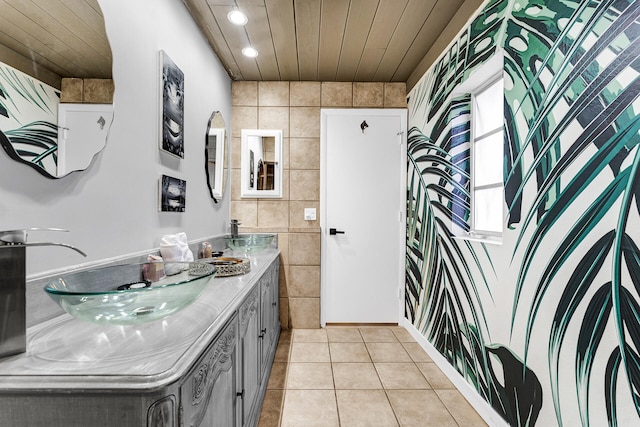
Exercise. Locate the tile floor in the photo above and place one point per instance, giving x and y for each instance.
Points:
(359, 376)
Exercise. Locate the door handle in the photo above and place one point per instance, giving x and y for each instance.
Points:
(333, 231)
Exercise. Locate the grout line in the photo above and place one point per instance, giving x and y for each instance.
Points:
(391, 406)
(284, 395)
(455, 420)
(335, 396)
(286, 377)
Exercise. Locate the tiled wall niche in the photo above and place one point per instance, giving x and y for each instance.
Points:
(295, 107)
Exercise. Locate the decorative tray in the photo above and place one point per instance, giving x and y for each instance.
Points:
(229, 266)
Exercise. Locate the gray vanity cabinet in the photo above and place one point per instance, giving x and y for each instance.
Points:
(208, 395)
(227, 385)
(214, 374)
(250, 352)
(259, 332)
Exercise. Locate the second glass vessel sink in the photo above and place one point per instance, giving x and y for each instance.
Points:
(250, 243)
(124, 295)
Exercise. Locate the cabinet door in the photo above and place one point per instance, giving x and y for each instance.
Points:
(270, 320)
(249, 353)
(275, 300)
(208, 395)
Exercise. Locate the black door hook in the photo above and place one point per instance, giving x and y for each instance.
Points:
(363, 125)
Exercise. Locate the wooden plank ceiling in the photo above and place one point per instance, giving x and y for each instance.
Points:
(66, 38)
(324, 40)
(316, 40)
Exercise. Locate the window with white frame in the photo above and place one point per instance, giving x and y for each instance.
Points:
(487, 154)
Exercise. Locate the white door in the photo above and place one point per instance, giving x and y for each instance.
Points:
(363, 187)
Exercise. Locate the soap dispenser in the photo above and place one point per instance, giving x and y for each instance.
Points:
(206, 250)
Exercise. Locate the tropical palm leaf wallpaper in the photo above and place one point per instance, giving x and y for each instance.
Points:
(29, 120)
(545, 326)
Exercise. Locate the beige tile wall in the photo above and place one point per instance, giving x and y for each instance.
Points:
(88, 91)
(295, 107)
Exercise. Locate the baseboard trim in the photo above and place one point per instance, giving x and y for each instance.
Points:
(359, 325)
(484, 409)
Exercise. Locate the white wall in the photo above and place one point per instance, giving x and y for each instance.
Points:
(111, 209)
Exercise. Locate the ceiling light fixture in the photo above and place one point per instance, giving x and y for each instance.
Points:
(237, 18)
(249, 52)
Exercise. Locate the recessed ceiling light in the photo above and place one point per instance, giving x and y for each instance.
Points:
(249, 52)
(236, 17)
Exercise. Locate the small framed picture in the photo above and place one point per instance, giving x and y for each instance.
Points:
(172, 107)
(173, 194)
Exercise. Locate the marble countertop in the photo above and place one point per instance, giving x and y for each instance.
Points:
(67, 353)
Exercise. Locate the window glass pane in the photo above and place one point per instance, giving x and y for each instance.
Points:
(488, 111)
(487, 210)
(488, 160)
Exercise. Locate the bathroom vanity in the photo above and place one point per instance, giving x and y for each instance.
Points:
(207, 365)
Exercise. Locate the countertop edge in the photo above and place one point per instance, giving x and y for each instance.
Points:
(182, 365)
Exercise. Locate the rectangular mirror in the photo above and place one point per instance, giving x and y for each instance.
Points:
(261, 167)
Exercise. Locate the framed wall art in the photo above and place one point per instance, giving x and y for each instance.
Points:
(172, 107)
(173, 194)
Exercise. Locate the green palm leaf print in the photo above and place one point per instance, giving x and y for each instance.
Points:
(35, 142)
(601, 262)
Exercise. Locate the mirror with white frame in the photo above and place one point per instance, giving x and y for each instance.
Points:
(215, 154)
(261, 166)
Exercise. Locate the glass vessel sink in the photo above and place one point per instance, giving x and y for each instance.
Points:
(250, 243)
(130, 294)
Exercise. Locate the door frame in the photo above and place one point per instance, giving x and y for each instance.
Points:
(325, 113)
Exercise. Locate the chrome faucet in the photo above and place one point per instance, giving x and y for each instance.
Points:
(234, 228)
(13, 285)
